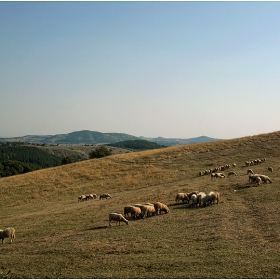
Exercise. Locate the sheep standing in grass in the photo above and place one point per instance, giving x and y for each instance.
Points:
(104, 195)
(82, 198)
(220, 175)
(7, 233)
(213, 197)
(193, 199)
(265, 178)
(181, 196)
(270, 169)
(118, 218)
(255, 179)
(200, 198)
(147, 211)
(127, 210)
(91, 196)
(232, 173)
(191, 193)
(160, 207)
(135, 212)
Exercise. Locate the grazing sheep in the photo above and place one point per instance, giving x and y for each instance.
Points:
(213, 175)
(118, 218)
(234, 164)
(200, 197)
(191, 193)
(220, 175)
(213, 197)
(82, 198)
(135, 212)
(139, 205)
(265, 178)
(160, 207)
(127, 210)
(181, 196)
(147, 211)
(270, 169)
(250, 171)
(193, 199)
(91, 196)
(104, 195)
(255, 179)
(7, 233)
(205, 200)
(232, 173)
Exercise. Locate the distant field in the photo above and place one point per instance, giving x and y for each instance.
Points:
(59, 237)
(78, 151)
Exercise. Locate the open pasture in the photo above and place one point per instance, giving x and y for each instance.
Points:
(59, 237)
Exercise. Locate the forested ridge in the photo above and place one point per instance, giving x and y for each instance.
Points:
(17, 158)
(137, 145)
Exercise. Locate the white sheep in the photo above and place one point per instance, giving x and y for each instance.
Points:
(265, 178)
(118, 218)
(232, 173)
(181, 196)
(220, 175)
(213, 197)
(250, 171)
(82, 198)
(200, 197)
(160, 207)
(104, 195)
(91, 196)
(191, 193)
(147, 210)
(7, 233)
(193, 199)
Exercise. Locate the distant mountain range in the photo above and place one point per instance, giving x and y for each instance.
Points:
(86, 137)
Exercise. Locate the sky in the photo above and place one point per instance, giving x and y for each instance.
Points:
(169, 69)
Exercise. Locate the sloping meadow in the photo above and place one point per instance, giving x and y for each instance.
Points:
(59, 237)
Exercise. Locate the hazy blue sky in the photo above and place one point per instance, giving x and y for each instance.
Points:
(170, 69)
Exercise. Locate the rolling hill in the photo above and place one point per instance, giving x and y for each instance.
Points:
(59, 237)
(86, 137)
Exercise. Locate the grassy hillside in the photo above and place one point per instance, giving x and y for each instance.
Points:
(57, 237)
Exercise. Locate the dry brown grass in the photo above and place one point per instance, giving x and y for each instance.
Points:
(57, 237)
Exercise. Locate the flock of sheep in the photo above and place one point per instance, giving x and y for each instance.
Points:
(255, 161)
(197, 198)
(93, 196)
(194, 198)
(258, 178)
(218, 168)
(138, 211)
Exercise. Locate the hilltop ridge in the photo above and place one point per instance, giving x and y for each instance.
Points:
(87, 137)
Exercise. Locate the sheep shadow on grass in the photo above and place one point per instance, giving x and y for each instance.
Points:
(98, 227)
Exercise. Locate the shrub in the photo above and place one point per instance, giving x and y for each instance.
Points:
(100, 152)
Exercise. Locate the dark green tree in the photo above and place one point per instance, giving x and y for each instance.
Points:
(100, 152)
(67, 160)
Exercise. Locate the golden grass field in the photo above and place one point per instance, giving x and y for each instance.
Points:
(59, 237)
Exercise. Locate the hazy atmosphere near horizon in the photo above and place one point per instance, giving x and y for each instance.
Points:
(170, 69)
